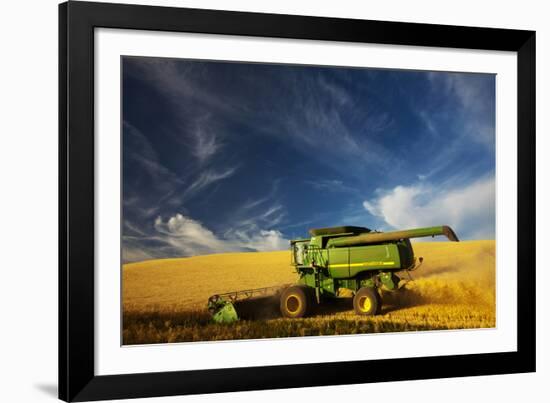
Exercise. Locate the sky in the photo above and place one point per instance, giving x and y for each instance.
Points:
(226, 156)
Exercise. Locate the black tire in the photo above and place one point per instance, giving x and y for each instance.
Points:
(295, 302)
(367, 302)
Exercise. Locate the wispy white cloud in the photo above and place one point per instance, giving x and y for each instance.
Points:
(159, 179)
(262, 241)
(206, 138)
(188, 237)
(469, 209)
(474, 114)
(458, 116)
(178, 195)
(337, 93)
(206, 179)
(247, 229)
(332, 126)
(322, 130)
(429, 122)
(243, 222)
(253, 203)
(184, 86)
(167, 189)
(329, 185)
(139, 149)
(135, 253)
(206, 145)
(180, 81)
(133, 229)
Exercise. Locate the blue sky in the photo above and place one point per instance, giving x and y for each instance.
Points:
(222, 156)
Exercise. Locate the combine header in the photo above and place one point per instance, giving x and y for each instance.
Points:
(222, 308)
(338, 262)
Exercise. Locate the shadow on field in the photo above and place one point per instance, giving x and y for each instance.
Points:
(258, 308)
(266, 308)
(332, 307)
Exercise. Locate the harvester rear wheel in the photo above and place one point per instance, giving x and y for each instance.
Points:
(367, 301)
(295, 302)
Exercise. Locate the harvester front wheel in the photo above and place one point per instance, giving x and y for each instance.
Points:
(294, 302)
(367, 301)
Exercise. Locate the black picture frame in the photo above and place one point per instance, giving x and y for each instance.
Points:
(77, 379)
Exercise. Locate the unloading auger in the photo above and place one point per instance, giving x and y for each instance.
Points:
(337, 262)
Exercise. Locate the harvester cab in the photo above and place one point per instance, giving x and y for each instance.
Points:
(340, 262)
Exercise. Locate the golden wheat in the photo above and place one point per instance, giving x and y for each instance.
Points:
(165, 300)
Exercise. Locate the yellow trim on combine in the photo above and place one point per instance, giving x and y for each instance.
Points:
(362, 264)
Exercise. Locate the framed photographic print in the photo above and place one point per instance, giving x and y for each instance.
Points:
(257, 201)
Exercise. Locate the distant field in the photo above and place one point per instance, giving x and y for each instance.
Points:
(165, 300)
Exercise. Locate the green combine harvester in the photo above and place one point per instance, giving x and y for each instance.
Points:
(338, 262)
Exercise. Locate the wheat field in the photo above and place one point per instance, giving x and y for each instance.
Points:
(165, 300)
